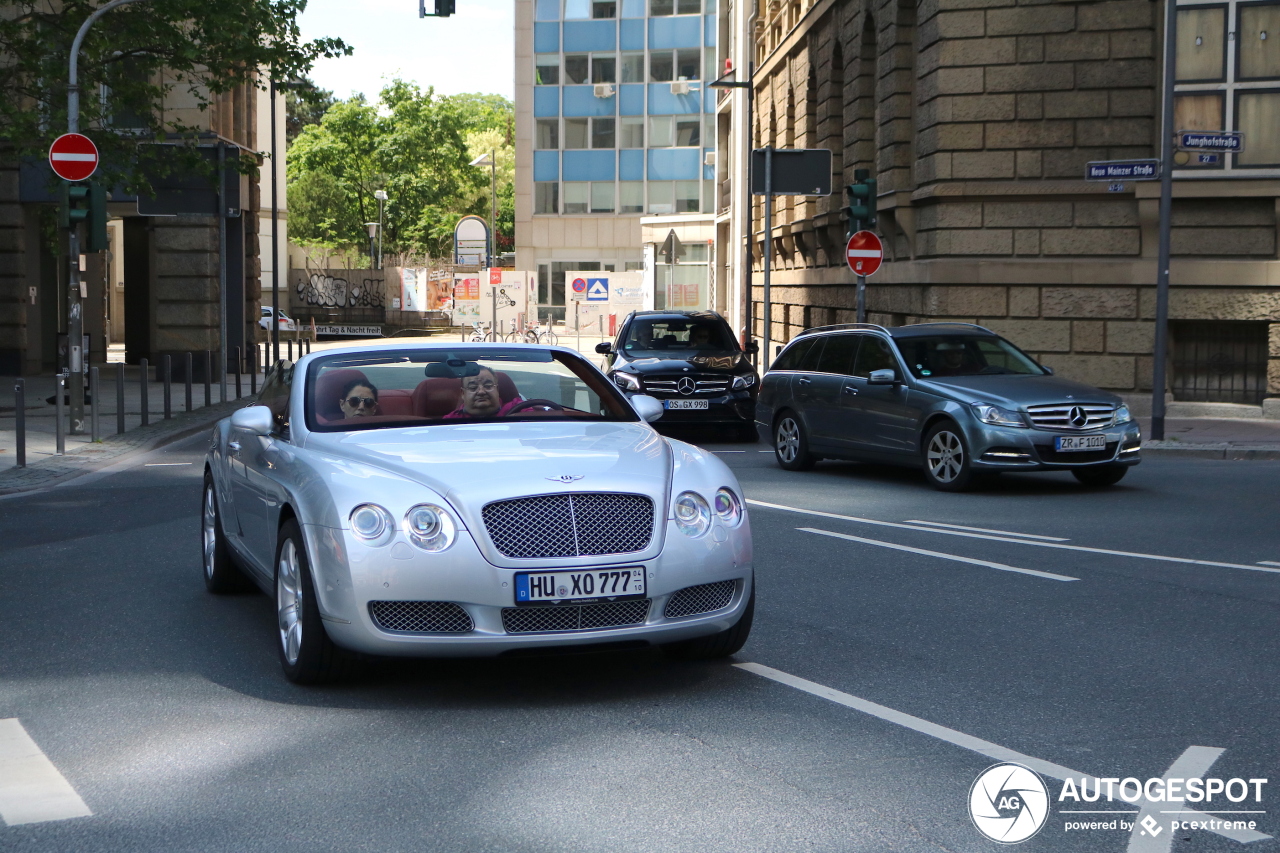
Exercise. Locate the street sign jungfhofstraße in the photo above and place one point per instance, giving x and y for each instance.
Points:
(1227, 141)
(1122, 170)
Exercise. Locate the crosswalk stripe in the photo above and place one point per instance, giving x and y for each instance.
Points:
(31, 788)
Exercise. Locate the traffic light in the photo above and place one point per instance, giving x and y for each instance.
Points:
(444, 8)
(861, 209)
(87, 203)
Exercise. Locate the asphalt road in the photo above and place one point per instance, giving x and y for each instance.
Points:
(892, 662)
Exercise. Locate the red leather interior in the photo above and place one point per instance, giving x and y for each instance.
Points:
(329, 386)
(437, 397)
(395, 401)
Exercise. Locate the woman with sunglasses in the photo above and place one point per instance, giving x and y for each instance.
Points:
(359, 399)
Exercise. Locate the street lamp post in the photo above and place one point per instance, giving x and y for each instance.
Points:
(722, 83)
(275, 221)
(491, 160)
(381, 196)
(373, 232)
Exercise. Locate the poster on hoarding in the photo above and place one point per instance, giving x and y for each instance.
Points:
(413, 289)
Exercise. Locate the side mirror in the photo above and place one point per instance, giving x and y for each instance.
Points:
(647, 407)
(1048, 370)
(255, 419)
(883, 377)
(752, 348)
(604, 348)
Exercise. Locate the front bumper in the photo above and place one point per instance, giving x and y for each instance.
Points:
(736, 408)
(348, 582)
(996, 448)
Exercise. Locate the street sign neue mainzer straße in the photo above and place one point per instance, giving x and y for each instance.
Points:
(1122, 170)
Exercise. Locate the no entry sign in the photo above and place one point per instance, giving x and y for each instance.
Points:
(864, 253)
(73, 157)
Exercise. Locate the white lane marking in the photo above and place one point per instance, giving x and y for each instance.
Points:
(1001, 566)
(1192, 764)
(164, 464)
(31, 788)
(1267, 563)
(1059, 545)
(988, 530)
(942, 733)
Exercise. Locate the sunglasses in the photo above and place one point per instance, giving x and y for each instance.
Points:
(356, 402)
(476, 386)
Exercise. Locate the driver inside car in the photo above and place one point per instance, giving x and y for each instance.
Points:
(480, 397)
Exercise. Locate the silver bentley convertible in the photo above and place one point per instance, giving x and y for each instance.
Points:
(471, 499)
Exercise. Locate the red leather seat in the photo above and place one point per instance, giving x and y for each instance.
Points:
(395, 401)
(438, 396)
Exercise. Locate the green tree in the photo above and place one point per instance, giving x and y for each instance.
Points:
(412, 145)
(305, 105)
(140, 53)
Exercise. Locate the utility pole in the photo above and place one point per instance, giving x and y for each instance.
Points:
(1166, 209)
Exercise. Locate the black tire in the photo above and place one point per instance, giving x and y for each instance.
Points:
(791, 443)
(946, 458)
(1101, 475)
(221, 574)
(307, 656)
(727, 642)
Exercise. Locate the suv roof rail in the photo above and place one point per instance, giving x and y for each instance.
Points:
(839, 326)
(951, 323)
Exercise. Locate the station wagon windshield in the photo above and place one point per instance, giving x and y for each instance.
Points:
(394, 388)
(940, 356)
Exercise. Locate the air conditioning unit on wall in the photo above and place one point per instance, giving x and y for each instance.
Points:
(680, 87)
(604, 90)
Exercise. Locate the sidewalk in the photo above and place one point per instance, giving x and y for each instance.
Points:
(1215, 438)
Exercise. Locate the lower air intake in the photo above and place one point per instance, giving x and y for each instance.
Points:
(575, 617)
(420, 617)
(693, 600)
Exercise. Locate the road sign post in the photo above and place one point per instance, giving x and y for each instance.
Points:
(863, 253)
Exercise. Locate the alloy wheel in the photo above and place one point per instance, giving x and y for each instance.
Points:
(788, 440)
(289, 600)
(946, 456)
(210, 530)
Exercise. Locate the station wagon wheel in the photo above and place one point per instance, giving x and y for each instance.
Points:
(946, 458)
(791, 444)
(307, 655)
(221, 575)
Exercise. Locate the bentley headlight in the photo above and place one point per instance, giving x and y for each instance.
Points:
(626, 381)
(728, 507)
(372, 523)
(997, 416)
(1122, 416)
(741, 382)
(693, 516)
(429, 527)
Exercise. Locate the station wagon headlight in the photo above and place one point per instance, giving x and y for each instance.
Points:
(741, 382)
(997, 416)
(728, 507)
(372, 523)
(429, 527)
(693, 516)
(626, 381)
(1122, 416)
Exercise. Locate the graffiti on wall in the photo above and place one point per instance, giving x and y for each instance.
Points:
(335, 292)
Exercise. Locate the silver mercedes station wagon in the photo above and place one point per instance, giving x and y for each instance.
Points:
(471, 499)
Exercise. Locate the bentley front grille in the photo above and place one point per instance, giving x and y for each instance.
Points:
(704, 598)
(572, 525)
(420, 617)
(575, 617)
(1071, 416)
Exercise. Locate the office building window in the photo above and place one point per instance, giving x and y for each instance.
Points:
(660, 132)
(631, 197)
(633, 68)
(547, 10)
(548, 134)
(631, 132)
(604, 68)
(662, 67)
(602, 197)
(575, 133)
(662, 198)
(688, 197)
(546, 197)
(668, 65)
(546, 69)
(688, 63)
(576, 196)
(659, 8)
(602, 132)
(1259, 42)
(577, 68)
(1258, 117)
(688, 132)
(576, 10)
(604, 9)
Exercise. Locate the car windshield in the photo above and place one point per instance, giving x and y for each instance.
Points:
(935, 356)
(681, 334)
(393, 388)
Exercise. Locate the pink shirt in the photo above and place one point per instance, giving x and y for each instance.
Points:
(462, 413)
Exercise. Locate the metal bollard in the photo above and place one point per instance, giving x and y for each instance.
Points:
(187, 365)
(239, 370)
(253, 371)
(290, 344)
(146, 406)
(61, 439)
(20, 422)
(119, 398)
(93, 410)
(168, 387)
(208, 371)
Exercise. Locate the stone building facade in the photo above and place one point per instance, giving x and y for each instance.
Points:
(977, 117)
(157, 288)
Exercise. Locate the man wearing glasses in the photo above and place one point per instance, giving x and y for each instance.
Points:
(359, 399)
(480, 398)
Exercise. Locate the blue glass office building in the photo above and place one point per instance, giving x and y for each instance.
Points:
(615, 122)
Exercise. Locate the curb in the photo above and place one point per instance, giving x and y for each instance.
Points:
(1223, 450)
(200, 420)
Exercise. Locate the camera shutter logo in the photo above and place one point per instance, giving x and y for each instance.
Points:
(1008, 803)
